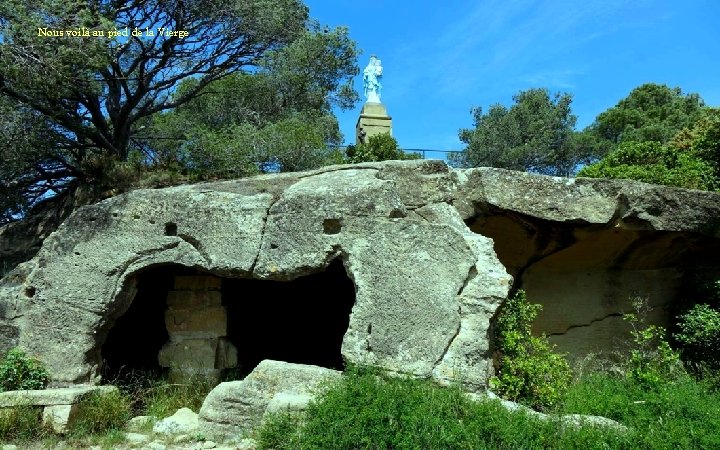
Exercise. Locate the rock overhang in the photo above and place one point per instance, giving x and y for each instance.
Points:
(427, 285)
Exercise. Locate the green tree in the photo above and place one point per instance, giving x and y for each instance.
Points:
(535, 134)
(278, 118)
(87, 98)
(703, 138)
(651, 112)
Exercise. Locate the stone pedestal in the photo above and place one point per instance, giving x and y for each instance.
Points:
(373, 120)
(197, 324)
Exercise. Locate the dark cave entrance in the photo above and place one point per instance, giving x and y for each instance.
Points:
(300, 321)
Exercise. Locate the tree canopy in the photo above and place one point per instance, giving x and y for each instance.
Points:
(659, 135)
(534, 134)
(77, 106)
(651, 112)
(276, 118)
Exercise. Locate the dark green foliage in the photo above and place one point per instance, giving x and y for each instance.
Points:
(380, 147)
(653, 162)
(651, 112)
(699, 335)
(702, 139)
(529, 371)
(659, 135)
(81, 112)
(535, 134)
(18, 371)
(653, 363)
(150, 393)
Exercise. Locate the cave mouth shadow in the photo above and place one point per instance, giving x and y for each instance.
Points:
(301, 321)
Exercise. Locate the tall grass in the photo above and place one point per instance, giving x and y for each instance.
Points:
(152, 394)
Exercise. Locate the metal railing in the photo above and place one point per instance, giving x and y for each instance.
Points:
(424, 152)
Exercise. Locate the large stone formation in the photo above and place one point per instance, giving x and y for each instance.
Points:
(416, 259)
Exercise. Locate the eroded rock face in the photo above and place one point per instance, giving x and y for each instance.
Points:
(584, 247)
(426, 286)
(414, 237)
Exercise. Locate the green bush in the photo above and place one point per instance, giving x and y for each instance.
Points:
(18, 371)
(700, 336)
(380, 147)
(652, 361)
(653, 162)
(529, 371)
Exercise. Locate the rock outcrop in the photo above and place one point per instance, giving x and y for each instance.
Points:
(431, 251)
(238, 407)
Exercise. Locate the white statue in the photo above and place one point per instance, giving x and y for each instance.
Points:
(371, 80)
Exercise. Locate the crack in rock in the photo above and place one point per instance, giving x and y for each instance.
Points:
(585, 325)
(197, 246)
(262, 233)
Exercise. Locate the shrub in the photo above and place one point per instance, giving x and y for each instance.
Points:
(380, 147)
(700, 336)
(18, 371)
(529, 371)
(652, 361)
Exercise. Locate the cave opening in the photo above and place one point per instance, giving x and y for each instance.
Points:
(300, 321)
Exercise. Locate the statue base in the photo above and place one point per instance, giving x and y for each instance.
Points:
(373, 120)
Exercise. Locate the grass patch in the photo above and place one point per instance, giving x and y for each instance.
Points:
(101, 413)
(152, 394)
(680, 414)
(368, 411)
(21, 423)
(163, 399)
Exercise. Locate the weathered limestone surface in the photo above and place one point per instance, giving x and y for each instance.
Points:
(583, 247)
(431, 251)
(238, 406)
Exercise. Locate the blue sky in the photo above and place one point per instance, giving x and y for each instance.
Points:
(441, 58)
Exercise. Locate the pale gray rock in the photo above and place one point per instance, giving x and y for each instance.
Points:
(574, 420)
(183, 422)
(54, 396)
(58, 417)
(237, 407)
(432, 252)
(288, 402)
(140, 423)
(246, 444)
(136, 438)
